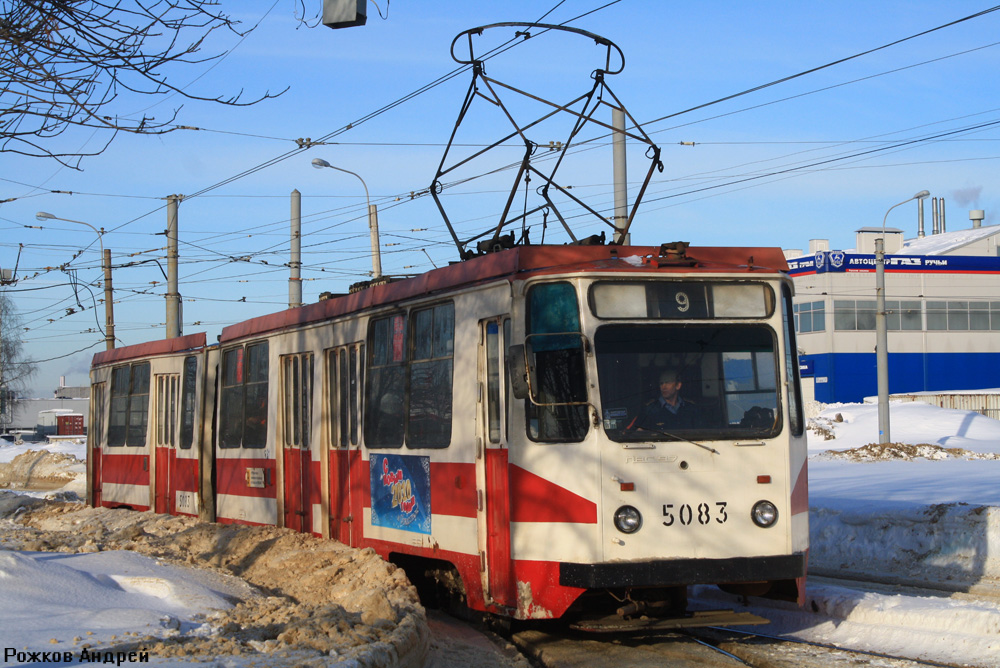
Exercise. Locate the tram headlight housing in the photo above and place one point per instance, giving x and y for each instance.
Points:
(628, 519)
(764, 514)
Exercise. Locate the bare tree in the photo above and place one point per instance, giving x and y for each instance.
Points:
(64, 63)
(15, 369)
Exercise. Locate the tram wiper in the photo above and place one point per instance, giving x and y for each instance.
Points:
(686, 440)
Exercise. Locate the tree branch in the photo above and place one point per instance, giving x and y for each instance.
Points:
(64, 63)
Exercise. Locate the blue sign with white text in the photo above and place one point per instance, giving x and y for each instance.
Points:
(401, 492)
(823, 262)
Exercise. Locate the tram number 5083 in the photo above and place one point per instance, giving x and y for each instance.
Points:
(685, 514)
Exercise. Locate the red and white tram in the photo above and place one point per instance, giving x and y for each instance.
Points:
(481, 419)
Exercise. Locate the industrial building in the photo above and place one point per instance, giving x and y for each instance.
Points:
(942, 310)
(65, 413)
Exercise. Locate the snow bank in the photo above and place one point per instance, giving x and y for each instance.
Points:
(946, 630)
(953, 546)
(40, 469)
(137, 596)
(922, 510)
(320, 600)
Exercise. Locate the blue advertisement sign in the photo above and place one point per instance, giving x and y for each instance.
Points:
(401, 492)
(823, 262)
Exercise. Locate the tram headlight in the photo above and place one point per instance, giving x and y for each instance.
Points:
(628, 519)
(764, 514)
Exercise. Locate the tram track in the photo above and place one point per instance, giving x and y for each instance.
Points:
(763, 650)
(702, 647)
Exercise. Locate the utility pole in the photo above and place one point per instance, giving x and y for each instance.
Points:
(620, 173)
(109, 303)
(295, 262)
(173, 297)
(881, 328)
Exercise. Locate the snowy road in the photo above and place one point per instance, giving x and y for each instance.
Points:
(844, 625)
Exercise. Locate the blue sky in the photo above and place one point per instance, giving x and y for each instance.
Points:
(817, 156)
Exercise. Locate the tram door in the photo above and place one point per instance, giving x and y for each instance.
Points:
(167, 389)
(343, 366)
(296, 420)
(491, 465)
(95, 441)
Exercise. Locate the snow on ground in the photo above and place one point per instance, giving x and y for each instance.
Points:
(922, 516)
(925, 511)
(76, 447)
(137, 596)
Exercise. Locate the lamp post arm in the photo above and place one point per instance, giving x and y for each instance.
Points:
(363, 184)
(109, 317)
(41, 215)
(319, 163)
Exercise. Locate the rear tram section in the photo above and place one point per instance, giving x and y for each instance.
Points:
(489, 422)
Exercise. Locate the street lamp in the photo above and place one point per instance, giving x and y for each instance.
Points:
(109, 309)
(320, 163)
(881, 332)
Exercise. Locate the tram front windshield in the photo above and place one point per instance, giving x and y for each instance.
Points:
(675, 382)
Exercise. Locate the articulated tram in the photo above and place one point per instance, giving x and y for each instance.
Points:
(482, 422)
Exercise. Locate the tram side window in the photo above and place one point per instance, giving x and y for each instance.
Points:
(343, 383)
(384, 422)
(297, 372)
(356, 357)
(96, 429)
(409, 382)
(557, 411)
(129, 415)
(166, 409)
(430, 377)
(792, 367)
(243, 413)
(188, 393)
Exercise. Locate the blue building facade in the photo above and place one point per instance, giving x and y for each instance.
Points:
(942, 314)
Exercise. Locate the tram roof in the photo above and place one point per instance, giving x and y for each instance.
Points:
(517, 263)
(151, 349)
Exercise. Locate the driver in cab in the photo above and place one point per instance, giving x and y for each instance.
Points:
(668, 411)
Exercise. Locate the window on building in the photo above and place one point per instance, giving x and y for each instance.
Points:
(937, 316)
(810, 317)
(243, 409)
(963, 316)
(979, 316)
(854, 315)
(903, 316)
(129, 414)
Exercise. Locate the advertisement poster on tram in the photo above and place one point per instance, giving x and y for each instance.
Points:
(401, 492)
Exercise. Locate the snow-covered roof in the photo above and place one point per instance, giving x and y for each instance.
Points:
(888, 230)
(947, 243)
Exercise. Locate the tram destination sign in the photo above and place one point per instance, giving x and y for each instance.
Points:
(681, 300)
